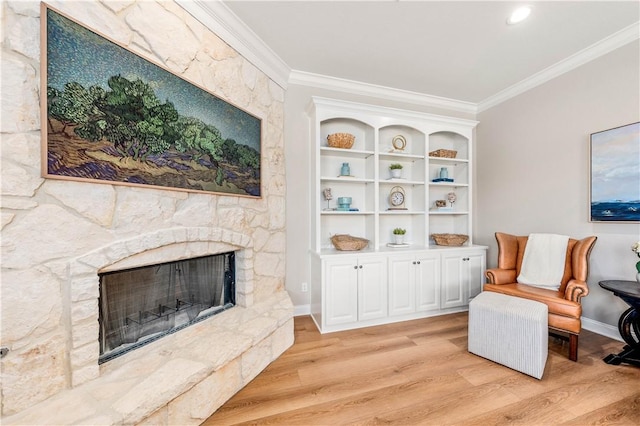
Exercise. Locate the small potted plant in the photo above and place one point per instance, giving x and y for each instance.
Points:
(636, 249)
(398, 235)
(396, 170)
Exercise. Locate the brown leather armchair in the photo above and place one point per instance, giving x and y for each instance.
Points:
(564, 304)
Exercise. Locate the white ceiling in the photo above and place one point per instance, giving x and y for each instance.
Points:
(460, 50)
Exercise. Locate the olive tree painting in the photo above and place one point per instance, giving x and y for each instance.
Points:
(113, 117)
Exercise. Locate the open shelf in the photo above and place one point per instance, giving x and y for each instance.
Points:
(383, 138)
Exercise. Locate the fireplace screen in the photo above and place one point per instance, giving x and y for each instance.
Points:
(140, 305)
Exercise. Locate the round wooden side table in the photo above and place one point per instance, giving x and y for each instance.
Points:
(629, 322)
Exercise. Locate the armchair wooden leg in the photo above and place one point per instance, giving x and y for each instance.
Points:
(573, 347)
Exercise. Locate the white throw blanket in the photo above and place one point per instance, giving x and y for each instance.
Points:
(543, 261)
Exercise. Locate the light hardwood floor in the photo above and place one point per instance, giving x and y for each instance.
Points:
(419, 372)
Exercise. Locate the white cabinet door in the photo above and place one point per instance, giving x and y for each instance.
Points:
(453, 292)
(341, 291)
(414, 283)
(475, 268)
(462, 276)
(355, 290)
(372, 288)
(427, 282)
(402, 271)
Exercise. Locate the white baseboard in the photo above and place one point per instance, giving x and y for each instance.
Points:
(301, 310)
(587, 323)
(601, 328)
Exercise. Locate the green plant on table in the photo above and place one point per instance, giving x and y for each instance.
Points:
(636, 249)
(399, 231)
(395, 166)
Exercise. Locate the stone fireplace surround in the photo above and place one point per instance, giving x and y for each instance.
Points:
(179, 379)
(57, 235)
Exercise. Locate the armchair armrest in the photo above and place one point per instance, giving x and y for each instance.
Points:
(501, 276)
(580, 258)
(576, 290)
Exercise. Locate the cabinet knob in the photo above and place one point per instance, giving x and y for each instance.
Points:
(418, 262)
(360, 266)
(465, 258)
(355, 267)
(414, 262)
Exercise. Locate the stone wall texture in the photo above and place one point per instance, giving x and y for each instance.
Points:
(47, 225)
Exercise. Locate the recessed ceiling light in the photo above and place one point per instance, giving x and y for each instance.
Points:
(519, 15)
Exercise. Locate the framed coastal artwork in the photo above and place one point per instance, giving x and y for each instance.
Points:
(111, 116)
(615, 174)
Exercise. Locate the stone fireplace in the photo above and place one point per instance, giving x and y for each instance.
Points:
(139, 305)
(167, 245)
(58, 236)
(183, 377)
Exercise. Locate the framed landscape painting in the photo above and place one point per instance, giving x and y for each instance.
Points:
(111, 116)
(615, 174)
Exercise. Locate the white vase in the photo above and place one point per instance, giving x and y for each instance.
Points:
(396, 173)
(398, 238)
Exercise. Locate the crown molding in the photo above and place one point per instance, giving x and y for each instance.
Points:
(596, 50)
(216, 16)
(359, 88)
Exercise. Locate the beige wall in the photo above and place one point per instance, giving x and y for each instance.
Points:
(533, 166)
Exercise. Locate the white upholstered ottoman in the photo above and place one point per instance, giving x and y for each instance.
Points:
(511, 331)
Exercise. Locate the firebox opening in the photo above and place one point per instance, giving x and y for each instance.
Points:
(140, 305)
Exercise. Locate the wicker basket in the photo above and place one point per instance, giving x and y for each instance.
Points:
(450, 239)
(348, 243)
(443, 153)
(341, 140)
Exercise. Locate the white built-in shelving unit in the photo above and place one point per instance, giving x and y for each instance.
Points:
(341, 300)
